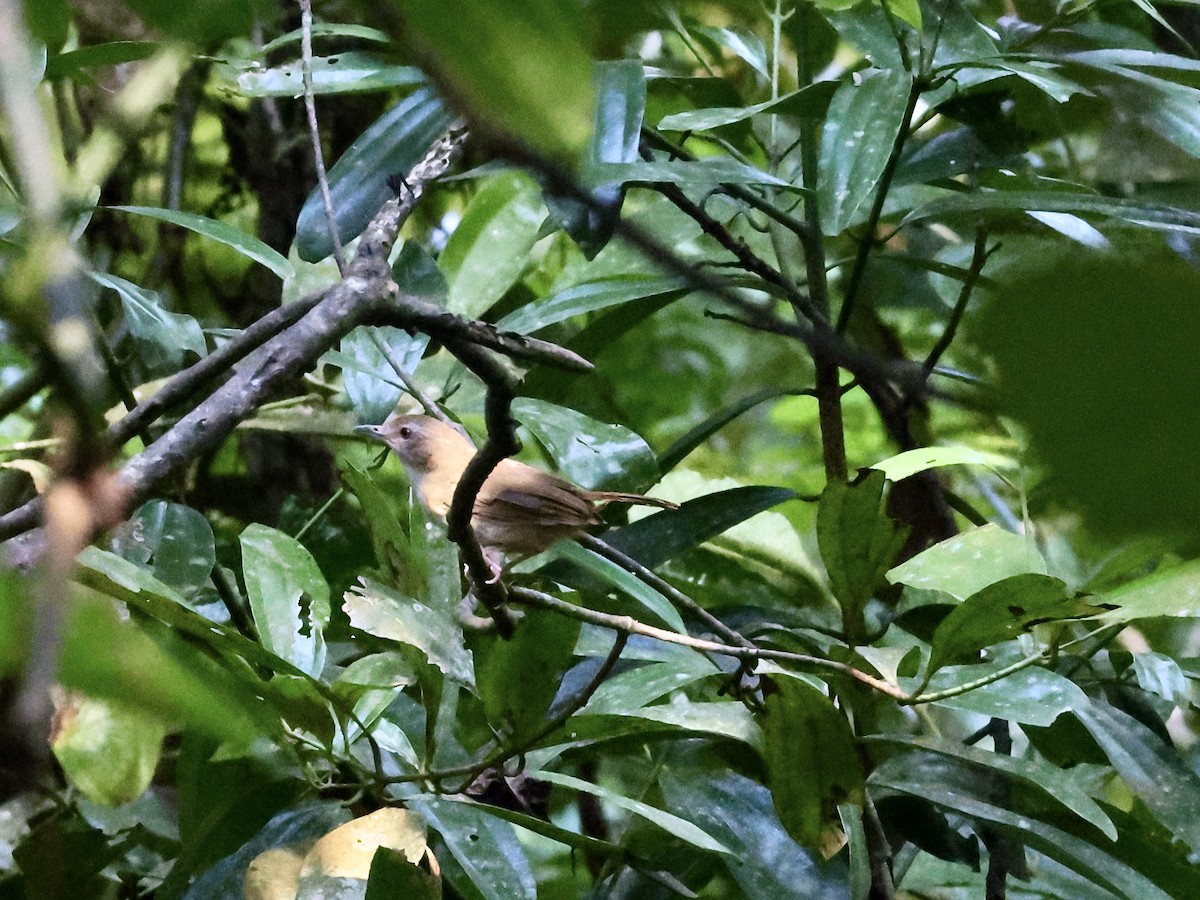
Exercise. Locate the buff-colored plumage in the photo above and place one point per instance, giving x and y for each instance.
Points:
(519, 511)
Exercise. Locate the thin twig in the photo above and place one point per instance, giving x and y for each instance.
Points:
(978, 260)
(406, 379)
(314, 132)
(631, 625)
(631, 565)
(504, 752)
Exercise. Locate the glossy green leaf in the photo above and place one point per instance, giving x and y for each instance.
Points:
(373, 682)
(221, 232)
(636, 688)
(808, 102)
(327, 29)
(431, 628)
(708, 172)
(518, 678)
(686, 443)
(1128, 209)
(967, 563)
(1152, 768)
(740, 814)
(672, 824)
(812, 764)
(518, 66)
(858, 540)
(1030, 696)
(951, 785)
(910, 462)
(1058, 783)
(370, 384)
(612, 574)
(485, 846)
(588, 297)
(344, 73)
(859, 131)
(107, 751)
(165, 337)
(174, 543)
(616, 133)
(722, 719)
(564, 836)
(489, 249)
(1000, 612)
(1160, 674)
(392, 145)
(288, 596)
(594, 455)
(664, 535)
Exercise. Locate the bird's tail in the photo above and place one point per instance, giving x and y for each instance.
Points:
(637, 499)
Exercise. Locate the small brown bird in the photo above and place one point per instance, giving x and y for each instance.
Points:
(520, 510)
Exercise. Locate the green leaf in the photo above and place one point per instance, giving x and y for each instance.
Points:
(594, 455)
(858, 540)
(610, 573)
(587, 297)
(686, 443)
(485, 846)
(1054, 388)
(72, 63)
(392, 875)
(518, 678)
(162, 676)
(373, 682)
(531, 78)
(369, 386)
(323, 30)
(664, 535)
(431, 628)
(1030, 696)
(288, 597)
(636, 688)
(953, 786)
(740, 814)
(221, 232)
(710, 172)
(108, 751)
(344, 73)
(967, 563)
(1127, 209)
(567, 838)
(392, 145)
(165, 337)
(910, 462)
(174, 543)
(1059, 784)
(620, 105)
(859, 131)
(808, 102)
(489, 249)
(672, 824)
(1000, 612)
(812, 764)
(1154, 770)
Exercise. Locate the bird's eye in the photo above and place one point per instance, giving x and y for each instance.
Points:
(406, 432)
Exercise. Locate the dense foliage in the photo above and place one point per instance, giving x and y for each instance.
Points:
(897, 300)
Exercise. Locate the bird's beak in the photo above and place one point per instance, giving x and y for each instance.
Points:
(370, 430)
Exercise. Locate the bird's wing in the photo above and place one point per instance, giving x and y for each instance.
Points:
(522, 495)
